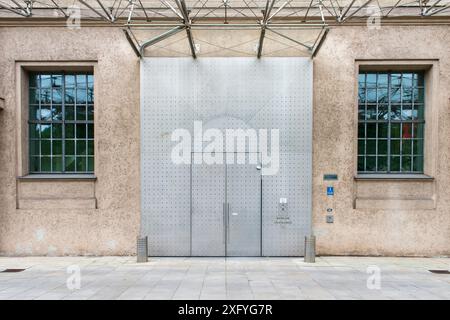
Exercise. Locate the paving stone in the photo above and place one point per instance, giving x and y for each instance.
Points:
(224, 278)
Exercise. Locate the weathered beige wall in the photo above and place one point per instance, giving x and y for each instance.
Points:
(112, 227)
(412, 232)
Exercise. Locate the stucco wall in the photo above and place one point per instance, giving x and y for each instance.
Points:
(412, 232)
(111, 228)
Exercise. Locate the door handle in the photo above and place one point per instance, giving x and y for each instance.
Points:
(228, 222)
(224, 211)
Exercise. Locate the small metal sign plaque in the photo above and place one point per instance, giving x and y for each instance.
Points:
(330, 176)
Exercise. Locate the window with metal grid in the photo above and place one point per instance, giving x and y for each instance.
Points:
(391, 122)
(61, 123)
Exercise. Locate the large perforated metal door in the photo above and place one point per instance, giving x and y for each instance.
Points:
(224, 93)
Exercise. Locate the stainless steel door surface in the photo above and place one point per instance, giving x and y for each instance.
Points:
(207, 213)
(244, 210)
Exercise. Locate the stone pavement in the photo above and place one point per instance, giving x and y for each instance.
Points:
(224, 278)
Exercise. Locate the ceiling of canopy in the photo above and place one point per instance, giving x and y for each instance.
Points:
(155, 26)
(112, 10)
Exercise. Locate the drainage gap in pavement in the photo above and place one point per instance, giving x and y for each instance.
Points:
(440, 271)
(12, 270)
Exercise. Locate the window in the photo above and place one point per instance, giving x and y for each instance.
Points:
(61, 123)
(390, 122)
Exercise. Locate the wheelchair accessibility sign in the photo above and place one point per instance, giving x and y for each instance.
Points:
(330, 191)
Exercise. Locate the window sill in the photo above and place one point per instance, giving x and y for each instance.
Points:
(393, 176)
(67, 177)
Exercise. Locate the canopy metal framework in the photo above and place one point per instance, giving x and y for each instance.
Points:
(172, 17)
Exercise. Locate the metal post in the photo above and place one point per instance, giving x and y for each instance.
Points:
(310, 249)
(142, 249)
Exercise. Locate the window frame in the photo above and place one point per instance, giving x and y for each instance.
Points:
(63, 122)
(434, 102)
(22, 71)
(415, 122)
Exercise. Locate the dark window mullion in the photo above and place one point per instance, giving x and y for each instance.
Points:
(415, 107)
(75, 136)
(63, 117)
(40, 118)
(86, 125)
(389, 126)
(401, 123)
(365, 123)
(376, 125)
(51, 125)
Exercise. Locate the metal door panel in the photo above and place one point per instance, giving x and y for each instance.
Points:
(207, 213)
(284, 232)
(166, 203)
(244, 210)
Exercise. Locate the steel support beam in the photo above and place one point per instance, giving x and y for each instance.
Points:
(426, 10)
(191, 43)
(341, 17)
(110, 17)
(332, 6)
(145, 11)
(289, 38)
(168, 5)
(187, 22)
(394, 7)
(117, 9)
(264, 21)
(279, 9)
(356, 11)
(261, 41)
(430, 13)
(131, 42)
(318, 44)
(130, 14)
(60, 9)
(307, 10)
(19, 12)
(159, 38)
(27, 9)
(94, 10)
(296, 26)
